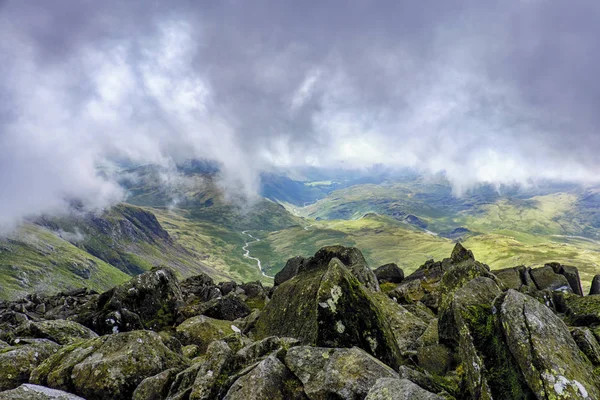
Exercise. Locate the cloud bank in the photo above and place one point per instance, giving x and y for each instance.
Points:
(485, 91)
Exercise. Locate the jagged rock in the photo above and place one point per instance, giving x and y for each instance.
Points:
(17, 362)
(202, 330)
(587, 342)
(399, 389)
(460, 254)
(336, 373)
(59, 331)
(256, 295)
(579, 311)
(227, 287)
(327, 306)
(570, 273)
(260, 349)
(351, 257)
(433, 384)
(420, 311)
(202, 380)
(435, 358)
(406, 327)
(389, 273)
(595, 288)
(546, 278)
(228, 308)
(148, 301)
(107, 367)
(430, 335)
(155, 387)
(200, 287)
(270, 379)
(290, 270)
(512, 278)
(35, 392)
(547, 355)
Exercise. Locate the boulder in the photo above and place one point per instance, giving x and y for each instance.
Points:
(155, 387)
(595, 288)
(436, 359)
(399, 389)
(17, 362)
(327, 306)
(587, 342)
(511, 278)
(199, 288)
(351, 257)
(291, 268)
(59, 331)
(547, 355)
(336, 373)
(35, 392)
(546, 278)
(228, 308)
(258, 350)
(389, 273)
(227, 287)
(431, 383)
(107, 367)
(570, 273)
(270, 379)
(202, 330)
(578, 311)
(148, 301)
(256, 295)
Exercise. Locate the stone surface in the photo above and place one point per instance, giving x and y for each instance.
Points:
(595, 288)
(35, 392)
(546, 278)
(107, 367)
(291, 268)
(547, 355)
(336, 373)
(202, 330)
(59, 331)
(17, 362)
(155, 387)
(389, 273)
(399, 389)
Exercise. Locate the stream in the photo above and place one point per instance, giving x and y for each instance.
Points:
(247, 253)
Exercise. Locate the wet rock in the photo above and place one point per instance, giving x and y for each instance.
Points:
(202, 330)
(35, 392)
(389, 273)
(107, 367)
(547, 355)
(270, 379)
(290, 270)
(399, 389)
(336, 373)
(327, 306)
(148, 301)
(17, 362)
(59, 331)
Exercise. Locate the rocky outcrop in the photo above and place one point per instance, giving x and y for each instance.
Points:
(390, 273)
(17, 362)
(595, 288)
(59, 331)
(35, 392)
(291, 268)
(399, 389)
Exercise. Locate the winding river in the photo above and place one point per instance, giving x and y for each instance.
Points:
(247, 253)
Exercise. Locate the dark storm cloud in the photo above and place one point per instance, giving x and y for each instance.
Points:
(485, 91)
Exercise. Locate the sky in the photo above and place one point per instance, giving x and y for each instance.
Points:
(502, 92)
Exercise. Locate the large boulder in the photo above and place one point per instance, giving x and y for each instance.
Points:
(155, 387)
(595, 288)
(327, 306)
(389, 273)
(17, 362)
(270, 379)
(148, 301)
(202, 330)
(229, 308)
(59, 331)
(336, 373)
(588, 343)
(570, 273)
(547, 355)
(107, 367)
(547, 278)
(291, 268)
(578, 311)
(35, 392)
(199, 288)
(399, 389)
(512, 278)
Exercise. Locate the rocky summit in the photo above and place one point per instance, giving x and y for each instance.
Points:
(331, 328)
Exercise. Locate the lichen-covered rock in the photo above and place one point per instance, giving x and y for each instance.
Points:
(595, 288)
(262, 348)
(155, 387)
(434, 384)
(570, 273)
(35, 392)
(512, 278)
(17, 362)
(336, 373)
(328, 306)
(546, 278)
(59, 331)
(587, 342)
(229, 308)
(202, 380)
(270, 379)
(107, 367)
(399, 389)
(199, 288)
(351, 257)
(435, 358)
(202, 330)
(148, 301)
(291, 268)
(255, 294)
(579, 311)
(389, 273)
(547, 355)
